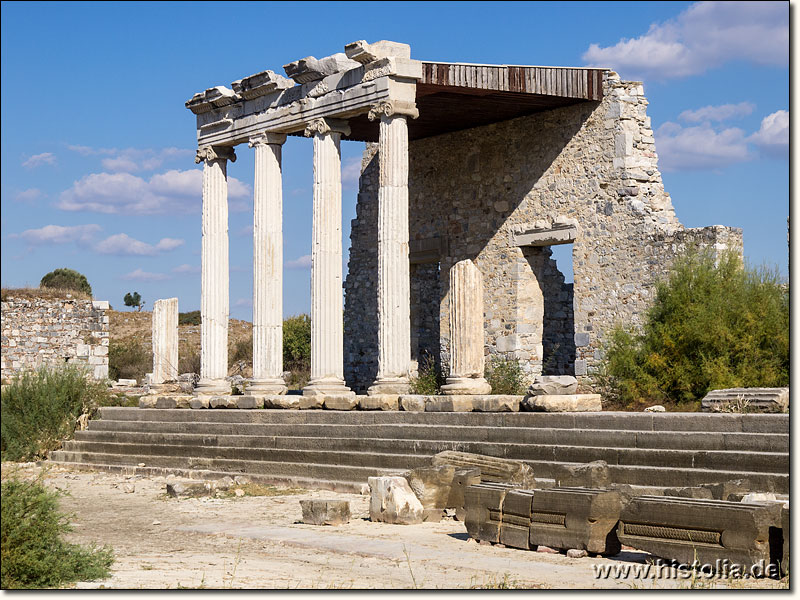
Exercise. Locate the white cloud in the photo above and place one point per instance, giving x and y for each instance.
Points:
(122, 193)
(243, 302)
(59, 234)
(773, 136)
(37, 160)
(717, 113)
(186, 269)
(699, 147)
(122, 244)
(704, 36)
(139, 275)
(351, 171)
(304, 262)
(131, 160)
(29, 195)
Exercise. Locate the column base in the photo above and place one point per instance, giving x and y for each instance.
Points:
(213, 387)
(327, 386)
(456, 386)
(389, 385)
(266, 387)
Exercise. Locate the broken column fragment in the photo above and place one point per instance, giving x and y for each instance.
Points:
(493, 469)
(393, 501)
(165, 342)
(466, 331)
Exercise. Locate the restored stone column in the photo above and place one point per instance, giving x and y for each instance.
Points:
(466, 331)
(165, 342)
(214, 301)
(267, 267)
(394, 301)
(327, 325)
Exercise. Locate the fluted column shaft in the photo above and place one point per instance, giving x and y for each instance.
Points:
(466, 331)
(214, 295)
(394, 302)
(327, 325)
(267, 267)
(165, 341)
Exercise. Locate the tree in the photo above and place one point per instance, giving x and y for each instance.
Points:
(714, 324)
(297, 342)
(66, 279)
(134, 301)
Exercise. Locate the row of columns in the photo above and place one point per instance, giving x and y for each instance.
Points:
(327, 327)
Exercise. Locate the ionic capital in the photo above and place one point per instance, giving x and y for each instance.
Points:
(211, 153)
(322, 126)
(267, 137)
(392, 108)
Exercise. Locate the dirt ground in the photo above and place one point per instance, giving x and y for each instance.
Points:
(259, 542)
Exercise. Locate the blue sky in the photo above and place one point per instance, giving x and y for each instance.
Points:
(97, 165)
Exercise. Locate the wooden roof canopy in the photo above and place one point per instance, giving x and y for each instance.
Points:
(455, 96)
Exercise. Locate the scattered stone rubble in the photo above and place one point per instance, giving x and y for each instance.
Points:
(769, 400)
(325, 511)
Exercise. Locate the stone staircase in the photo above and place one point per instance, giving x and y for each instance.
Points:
(339, 450)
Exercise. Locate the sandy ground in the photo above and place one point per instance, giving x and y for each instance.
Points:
(259, 542)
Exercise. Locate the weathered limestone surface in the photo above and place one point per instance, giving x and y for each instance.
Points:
(564, 403)
(214, 298)
(493, 469)
(704, 530)
(325, 512)
(480, 403)
(553, 385)
(472, 190)
(462, 479)
(432, 487)
(594, 474)
(772, 400)
(515, 522)
(39, 331)
(483, 506)
(379, 402)
(267, 267)
(466, 331)
(393, 501)
(165, 341)
(326, 261)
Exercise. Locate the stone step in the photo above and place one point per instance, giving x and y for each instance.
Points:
(353, 450)
(628, 474)
(704, 422)
(599, 438)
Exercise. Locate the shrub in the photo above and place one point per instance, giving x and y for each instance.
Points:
(66, 279)
(505, 376)
(297, 343)
(34, 555)
(189, 318)
(713, 324)
(429, 378)
(188, 359)
(128, 359)
(242, 352)
(39, 409)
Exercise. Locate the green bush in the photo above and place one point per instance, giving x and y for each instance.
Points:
(713, 325)
(189, 318)
(297, 343)
(505, 376)
(39, 408)
(34, 555)
(66, 279)
(128, 359)
(429, 378)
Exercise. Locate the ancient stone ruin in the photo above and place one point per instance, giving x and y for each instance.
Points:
(493, 164)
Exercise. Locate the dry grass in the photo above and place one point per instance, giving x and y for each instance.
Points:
(41, 294)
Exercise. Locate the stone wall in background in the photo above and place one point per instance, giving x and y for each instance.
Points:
(38, 331)
(472, 192)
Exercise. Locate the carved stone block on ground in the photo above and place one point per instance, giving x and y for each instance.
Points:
(502, 470)
(733, 490)
(432, 487)
(516, 519)
(412, 402)
(199, 402)
(449, 404)
(690, 492)
(173, 402)
(325, 512)
(769, 400)
(496, 403)
(706, 530)
(553, 385)
(393, 501)
(249, 402)
(483, 504)
(223, 402)
(147, 402)
(190, 489)
(594, 474)
(579, 518)
(565, 403)
(293, 401)
(462, 479)
(344, 402)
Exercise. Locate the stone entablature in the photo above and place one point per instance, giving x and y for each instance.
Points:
(40, 331)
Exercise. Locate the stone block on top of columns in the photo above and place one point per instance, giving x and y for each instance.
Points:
(327, 324)
(267, 266)
(214, 295)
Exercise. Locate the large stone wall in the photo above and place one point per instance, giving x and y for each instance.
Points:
(38, 331)
(472, 190)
